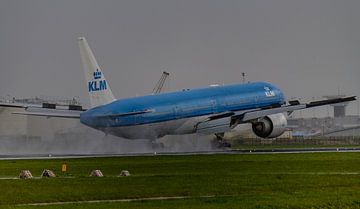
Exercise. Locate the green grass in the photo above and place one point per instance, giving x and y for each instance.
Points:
(266, 144)
(312, 180)
(289, 146)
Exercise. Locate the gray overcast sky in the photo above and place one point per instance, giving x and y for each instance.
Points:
(308, 48)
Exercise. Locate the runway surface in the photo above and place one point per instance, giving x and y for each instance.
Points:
(227, 151)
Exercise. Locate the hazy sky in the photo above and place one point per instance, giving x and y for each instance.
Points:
(308, 48)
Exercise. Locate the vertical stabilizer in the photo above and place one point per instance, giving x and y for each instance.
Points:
(97, 86)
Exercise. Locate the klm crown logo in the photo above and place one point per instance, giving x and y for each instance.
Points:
(269, 92)
(97, 84)
(97, 74)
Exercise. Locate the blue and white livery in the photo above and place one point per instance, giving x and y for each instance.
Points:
(211, 110)
(98, 88)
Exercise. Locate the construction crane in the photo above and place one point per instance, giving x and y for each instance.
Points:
(160, 84)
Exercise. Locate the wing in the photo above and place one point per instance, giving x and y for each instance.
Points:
(293, 105)
(224, 122)
(46, 110)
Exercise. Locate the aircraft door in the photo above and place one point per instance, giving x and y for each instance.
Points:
(177, 111)
(214, 106)
(256, 101)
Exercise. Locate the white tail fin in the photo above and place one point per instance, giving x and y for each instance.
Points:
(97, 86)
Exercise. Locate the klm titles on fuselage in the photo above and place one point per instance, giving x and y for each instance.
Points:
(97, 84)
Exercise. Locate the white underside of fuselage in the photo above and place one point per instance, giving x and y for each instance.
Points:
(156, 130)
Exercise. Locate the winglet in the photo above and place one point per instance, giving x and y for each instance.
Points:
(97, 86)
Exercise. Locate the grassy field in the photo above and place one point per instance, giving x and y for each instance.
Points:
(312, 180)
(289, 146)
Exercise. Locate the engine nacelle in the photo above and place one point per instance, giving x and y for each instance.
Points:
(270, 126)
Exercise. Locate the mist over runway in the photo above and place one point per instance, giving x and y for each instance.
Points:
(170, 153)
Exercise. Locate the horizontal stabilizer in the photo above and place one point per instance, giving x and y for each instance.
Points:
(17, 105)
(46, 109)
(56, 114)
(50, 113)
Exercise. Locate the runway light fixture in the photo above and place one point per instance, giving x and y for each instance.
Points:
(64, 167)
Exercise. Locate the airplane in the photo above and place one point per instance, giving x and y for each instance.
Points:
(211, 110)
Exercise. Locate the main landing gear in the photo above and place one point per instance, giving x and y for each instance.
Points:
(157, 145)
(220, 142)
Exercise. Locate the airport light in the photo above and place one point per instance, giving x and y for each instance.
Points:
(64, 167)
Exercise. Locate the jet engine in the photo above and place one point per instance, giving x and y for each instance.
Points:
(270, 126)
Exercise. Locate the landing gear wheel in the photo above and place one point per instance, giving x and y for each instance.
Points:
(219, 142)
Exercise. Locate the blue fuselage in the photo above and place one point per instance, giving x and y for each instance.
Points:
(182, 104)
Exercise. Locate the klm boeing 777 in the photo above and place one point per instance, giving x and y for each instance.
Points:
(211, 110)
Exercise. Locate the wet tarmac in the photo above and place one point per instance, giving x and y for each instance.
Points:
(227, 151)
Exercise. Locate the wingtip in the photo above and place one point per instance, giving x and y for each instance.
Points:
(352, 98)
